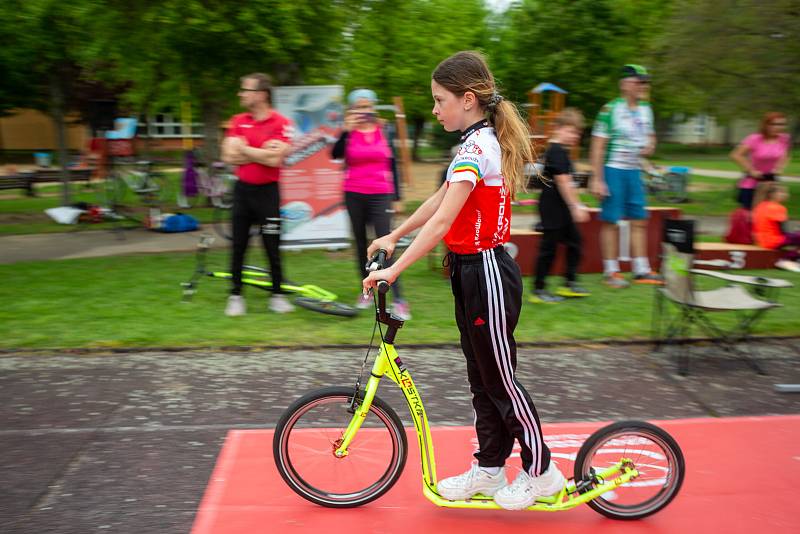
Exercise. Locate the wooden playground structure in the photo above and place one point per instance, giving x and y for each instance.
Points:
(545, 102)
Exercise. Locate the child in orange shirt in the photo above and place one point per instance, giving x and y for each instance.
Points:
(769, 226)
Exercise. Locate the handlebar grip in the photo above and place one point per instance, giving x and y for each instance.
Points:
(383, 287)
(377, 262)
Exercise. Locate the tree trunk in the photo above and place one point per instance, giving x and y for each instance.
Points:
(419, 125)
(57, 114)
(211, 138)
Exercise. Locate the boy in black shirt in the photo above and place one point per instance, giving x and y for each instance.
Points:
(560, 210)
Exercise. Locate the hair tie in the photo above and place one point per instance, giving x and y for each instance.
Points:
(495, 99)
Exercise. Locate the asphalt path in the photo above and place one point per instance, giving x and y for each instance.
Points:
(125, 443)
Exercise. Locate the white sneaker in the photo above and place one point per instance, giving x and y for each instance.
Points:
(476, 480)
(236, 306)
(280, 304)
(402, 310)
(364, 301)
(525, 489)
(788, 265)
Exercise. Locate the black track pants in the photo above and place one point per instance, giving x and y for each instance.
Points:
(488, 298)
(365, 210)
(256, 204)
(548, 246)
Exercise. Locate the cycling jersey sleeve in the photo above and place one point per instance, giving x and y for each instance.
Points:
(649, 121)
(233, 128)
(469, 165)
(602, 125)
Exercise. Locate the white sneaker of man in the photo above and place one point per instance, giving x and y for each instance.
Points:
(788, 265)
(476, 480)
(280, 304)
(236, 306)
(525, 489)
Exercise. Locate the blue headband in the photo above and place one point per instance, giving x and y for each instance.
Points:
(358, 94)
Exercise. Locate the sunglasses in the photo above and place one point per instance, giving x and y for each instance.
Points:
(778, 124)
(252, 90)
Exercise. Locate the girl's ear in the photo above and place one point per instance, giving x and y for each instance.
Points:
(469, 100)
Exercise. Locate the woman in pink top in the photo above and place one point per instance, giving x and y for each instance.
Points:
(370, 184)
(762, 156)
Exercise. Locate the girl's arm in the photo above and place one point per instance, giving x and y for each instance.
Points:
(432, 232)
(417, 219)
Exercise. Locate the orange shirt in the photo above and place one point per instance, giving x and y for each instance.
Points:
(767, 218)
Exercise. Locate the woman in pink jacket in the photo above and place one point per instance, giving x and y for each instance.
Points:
(370, 184)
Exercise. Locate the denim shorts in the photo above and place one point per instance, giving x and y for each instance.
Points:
(626, 196)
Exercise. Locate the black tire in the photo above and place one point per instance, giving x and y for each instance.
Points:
(329, 307)
(674, 189)
(666, 476)
(316, 437)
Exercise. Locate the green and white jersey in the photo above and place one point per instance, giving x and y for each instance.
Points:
(628, 131)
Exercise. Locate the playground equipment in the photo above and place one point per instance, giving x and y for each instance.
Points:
(541, 118)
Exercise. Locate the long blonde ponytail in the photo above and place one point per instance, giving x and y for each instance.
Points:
(515, 145)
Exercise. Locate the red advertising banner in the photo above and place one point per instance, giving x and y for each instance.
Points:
(312, 201)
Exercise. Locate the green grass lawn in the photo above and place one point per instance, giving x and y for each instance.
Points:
(708, 196)
(20, 214)
(716, 163)
(135, 301)
(707, 157)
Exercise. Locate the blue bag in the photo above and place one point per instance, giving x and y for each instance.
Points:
(180, 222)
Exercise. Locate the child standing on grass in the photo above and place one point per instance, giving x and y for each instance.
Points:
(472, 212)
(560, 208)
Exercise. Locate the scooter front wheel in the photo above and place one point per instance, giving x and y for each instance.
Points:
(655, 455)
(309, 432)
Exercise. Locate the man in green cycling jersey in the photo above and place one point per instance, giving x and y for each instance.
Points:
(623, 133)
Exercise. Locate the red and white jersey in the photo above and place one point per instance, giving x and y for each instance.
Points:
(485, 220)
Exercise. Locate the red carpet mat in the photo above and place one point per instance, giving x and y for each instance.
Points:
(743, 475)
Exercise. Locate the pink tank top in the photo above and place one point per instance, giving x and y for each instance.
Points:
(367, 157)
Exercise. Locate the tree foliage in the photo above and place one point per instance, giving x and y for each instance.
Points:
(732, 58)
(393, 47)
(579, 45)
(726, 57)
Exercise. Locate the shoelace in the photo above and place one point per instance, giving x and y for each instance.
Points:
(523, 479)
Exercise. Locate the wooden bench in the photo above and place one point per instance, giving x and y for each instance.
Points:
(524, 244)
(18, 181)
(54, 175)
(736, 256)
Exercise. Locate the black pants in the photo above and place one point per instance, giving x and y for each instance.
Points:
(548, 246)
(488, 298)
(365, 210)
(256, 204)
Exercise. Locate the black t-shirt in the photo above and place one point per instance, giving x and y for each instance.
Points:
(552, 208)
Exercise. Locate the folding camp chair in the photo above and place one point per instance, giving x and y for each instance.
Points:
(693, 306)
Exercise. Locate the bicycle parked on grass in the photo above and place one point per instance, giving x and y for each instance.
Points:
(310, 297)
(344, 446)
(214, 186)
(130, 185)
(669, 186)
